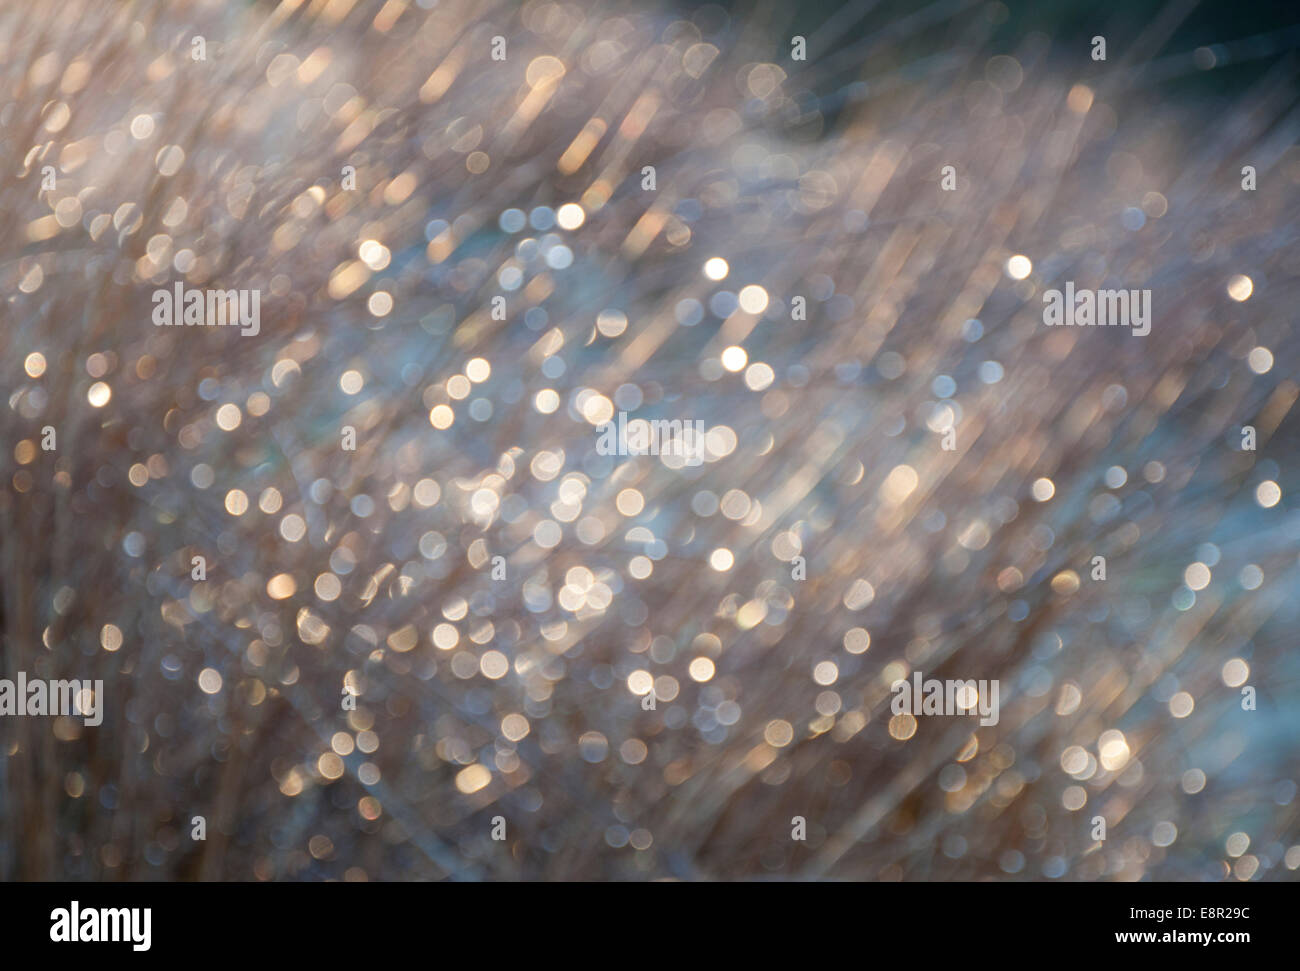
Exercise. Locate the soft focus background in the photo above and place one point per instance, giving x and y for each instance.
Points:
(368, 574)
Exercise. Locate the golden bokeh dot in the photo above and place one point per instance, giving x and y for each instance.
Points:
(1074, 760)
(236, 502)
(477, 369)
(633, 751)
(320, 846)
(1240, 287)
(734, 358)
(902, 727)
(759, 376)
(570, 216)
(597, 409)
(611, 323)
(1065, 583)
(630, 502)
(229, 417)
(826, 673)
(210, 681)
(110, 637)
(328, 587)
(494, 665)
(779, 733)
(1237, 844)
(1260, 360)
(666, 687)
(1197, 576)
(293, 527)
(441, 417)
(472, 778)
(330, 765)
(459, 387)
(515, 727)
(1113, 750)
(857, 640)
(1235, 672)
(701, 669)
(753, 299)
(374, 254)
(1079, 99)
(640, 682)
